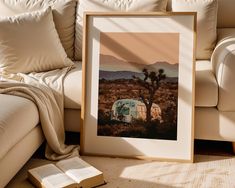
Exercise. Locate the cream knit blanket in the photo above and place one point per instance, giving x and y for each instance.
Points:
(46, 91)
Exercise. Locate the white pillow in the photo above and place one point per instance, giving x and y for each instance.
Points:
(64, 13)
(29, 43)
(111, 5)
(206, 23)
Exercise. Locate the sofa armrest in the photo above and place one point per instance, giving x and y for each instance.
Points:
(223, 63)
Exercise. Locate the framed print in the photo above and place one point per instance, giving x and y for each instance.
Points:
(138, 85)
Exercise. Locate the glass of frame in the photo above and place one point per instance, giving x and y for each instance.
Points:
(138, 85)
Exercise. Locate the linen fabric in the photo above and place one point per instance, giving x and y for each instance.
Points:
(29, 43)
(226, 14)
(15, 159)
(63, 11)
(213, 124)
(45, 89)
(223, 59)
(110, 5)
(206, 23)
(73, 87)
(72, 120)
(25, 115)
(206, 87)
(225, 33)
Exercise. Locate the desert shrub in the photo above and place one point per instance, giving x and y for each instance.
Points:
(103, 118)
(138, 121)
(133, 132)
(105, 130)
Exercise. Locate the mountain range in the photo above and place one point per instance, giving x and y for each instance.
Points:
(114, 64)
(115, 75)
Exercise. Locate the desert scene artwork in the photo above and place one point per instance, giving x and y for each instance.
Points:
(138, 85)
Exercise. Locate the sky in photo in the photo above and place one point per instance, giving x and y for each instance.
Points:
(141, 48)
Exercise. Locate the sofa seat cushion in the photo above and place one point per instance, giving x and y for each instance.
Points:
(73, 87)
(206, 87)
(18, 116)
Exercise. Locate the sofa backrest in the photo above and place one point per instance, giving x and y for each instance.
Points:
(226, 14)
(64, 12)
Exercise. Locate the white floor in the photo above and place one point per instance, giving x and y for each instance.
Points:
(206, 172)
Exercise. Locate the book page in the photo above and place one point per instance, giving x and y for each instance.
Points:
(50, 176)
(78, 169)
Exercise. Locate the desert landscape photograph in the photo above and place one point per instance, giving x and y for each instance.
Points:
(138, 85)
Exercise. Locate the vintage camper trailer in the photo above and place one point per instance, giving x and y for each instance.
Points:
(127, 110)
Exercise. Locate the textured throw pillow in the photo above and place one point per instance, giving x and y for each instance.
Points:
(206, 23)
(30, 43)
(111, 5)
(64, 12)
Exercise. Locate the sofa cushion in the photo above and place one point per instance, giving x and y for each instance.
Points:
(206, 23)
(223, 61)
(72, 120)
(29, 42)
(18, 116)
(64, 12)
(225, 33)
(73, 87)
(226, 14)
(206, 87)
(111, 5)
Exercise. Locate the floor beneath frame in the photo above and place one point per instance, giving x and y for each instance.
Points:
(214, 167)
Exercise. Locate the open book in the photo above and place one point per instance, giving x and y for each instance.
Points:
(69, 173)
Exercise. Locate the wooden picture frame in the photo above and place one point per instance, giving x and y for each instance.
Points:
(138, 85)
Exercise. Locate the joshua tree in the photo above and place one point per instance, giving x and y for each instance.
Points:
(151, 82)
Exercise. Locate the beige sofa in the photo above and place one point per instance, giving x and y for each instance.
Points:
(21, 135)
